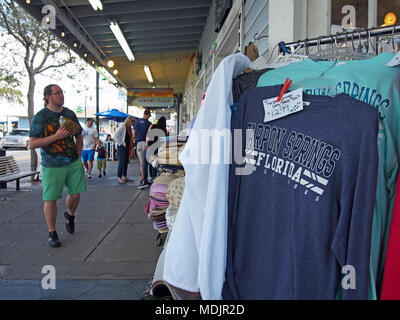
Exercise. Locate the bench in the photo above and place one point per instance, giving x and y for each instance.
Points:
(9, 171)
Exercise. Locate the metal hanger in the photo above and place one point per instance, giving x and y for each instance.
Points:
(264, 36)
(393, 42)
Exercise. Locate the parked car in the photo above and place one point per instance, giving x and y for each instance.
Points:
(17, 138)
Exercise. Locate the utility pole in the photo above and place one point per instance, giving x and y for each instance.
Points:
(127, 103)
(97, 102)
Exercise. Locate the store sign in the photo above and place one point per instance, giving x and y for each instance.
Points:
(154, 102)
(158, 97)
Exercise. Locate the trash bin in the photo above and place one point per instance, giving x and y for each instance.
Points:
(2, 152)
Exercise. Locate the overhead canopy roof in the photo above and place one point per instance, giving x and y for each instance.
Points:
(163, 34)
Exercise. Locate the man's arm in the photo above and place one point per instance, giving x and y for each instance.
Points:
(61, 133)
(96, 138)
(79, 144)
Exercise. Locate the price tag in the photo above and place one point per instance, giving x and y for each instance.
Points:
(287, 59)
(395, 61)
(290, 103)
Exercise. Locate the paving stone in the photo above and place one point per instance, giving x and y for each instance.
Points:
(24, 282)
(20, 292)
(111, 293)
(140, 285)
(115, 282)
(69, 289)
(111, 255)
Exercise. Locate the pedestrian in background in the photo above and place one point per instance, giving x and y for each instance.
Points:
(61, 148)
(110, 147)
(123, 137)
(90, 137)
(152, 137)
(102, 156)
(140, 130)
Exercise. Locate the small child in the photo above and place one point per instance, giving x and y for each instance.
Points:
(102, 155)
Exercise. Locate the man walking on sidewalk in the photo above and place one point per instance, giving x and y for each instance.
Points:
(90, 136)
(56, 130)
(140, 129)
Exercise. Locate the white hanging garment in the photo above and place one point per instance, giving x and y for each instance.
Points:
(195, 258)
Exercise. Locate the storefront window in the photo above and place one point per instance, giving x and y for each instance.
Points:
(350, 13)
(388, 12)
(353, 14)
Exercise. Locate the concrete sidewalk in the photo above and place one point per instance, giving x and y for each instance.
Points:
(111, 255)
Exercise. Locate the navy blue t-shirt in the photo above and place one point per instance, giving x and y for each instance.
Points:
(141, 127)
(302, 219)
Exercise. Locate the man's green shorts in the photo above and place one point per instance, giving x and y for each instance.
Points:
(71, 176)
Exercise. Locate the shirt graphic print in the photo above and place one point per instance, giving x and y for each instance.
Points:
(304, 160)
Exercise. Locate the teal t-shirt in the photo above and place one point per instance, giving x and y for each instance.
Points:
(62, 152)
(372, 82)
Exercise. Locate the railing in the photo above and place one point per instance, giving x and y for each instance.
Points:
(110, 147)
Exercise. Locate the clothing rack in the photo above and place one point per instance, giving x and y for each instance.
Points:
(355, 35)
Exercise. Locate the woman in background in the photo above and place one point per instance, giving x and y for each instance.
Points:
(123, 137)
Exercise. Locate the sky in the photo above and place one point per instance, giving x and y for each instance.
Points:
(109, 96)
(77, 91)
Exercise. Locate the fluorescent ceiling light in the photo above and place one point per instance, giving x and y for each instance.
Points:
(96, 4)
(121, 39)
(148, 74)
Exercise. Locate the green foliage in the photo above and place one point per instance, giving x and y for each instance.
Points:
(11, 95)
(41, 48)
(8, 83)
(34, 47)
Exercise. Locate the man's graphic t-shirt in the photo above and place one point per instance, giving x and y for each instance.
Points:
(300, 217)
(62, 152)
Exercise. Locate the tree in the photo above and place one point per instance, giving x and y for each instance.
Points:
(40, 50)
(8, 84)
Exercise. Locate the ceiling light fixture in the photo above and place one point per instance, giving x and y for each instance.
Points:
(148, 73)
(110, 63)
(63, 34)
(96, 4)
(121, 39)
(115, 71)
(85, 54)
